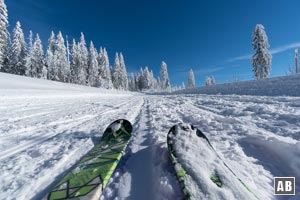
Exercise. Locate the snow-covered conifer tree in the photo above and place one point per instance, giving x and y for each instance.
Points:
(28, 64)
(158, 86)
(83, 66)
(261, 60)
(50, 58)
(93, 66)
(74, 64)
(132, 83)
(60, 59)
(105, 79)
(68, 49)
(124, 72)
(36, 59)
(208, 81)
(17, 52)
(146, 82)
(30, 42)
(140, 80)
(296, 61)
(191, 79)
(4, 39)
(165, 81)
(152, 80)
(117, 73)
(81, 76)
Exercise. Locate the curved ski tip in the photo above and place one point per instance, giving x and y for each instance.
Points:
(116, 125)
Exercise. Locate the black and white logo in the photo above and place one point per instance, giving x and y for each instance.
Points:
(284, 185)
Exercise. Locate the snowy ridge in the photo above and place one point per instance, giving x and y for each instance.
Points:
(279, 86)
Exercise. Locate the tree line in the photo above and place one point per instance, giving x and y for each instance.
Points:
(78, 64)
(70, 63)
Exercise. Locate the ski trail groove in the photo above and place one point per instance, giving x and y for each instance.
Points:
(60, 130)
(140, 163)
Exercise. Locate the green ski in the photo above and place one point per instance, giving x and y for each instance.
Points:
(217, 175)
(91, 175)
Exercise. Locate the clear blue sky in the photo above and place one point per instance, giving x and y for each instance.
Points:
(211, 37)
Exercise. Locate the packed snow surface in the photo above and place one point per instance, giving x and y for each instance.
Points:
(46, 127)
(278, 86)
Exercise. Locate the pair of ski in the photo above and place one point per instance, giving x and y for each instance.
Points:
(91, 175)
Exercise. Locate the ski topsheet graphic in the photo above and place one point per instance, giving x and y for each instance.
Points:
(90, 176)
(201, 172)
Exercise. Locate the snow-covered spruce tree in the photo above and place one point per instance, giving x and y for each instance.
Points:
(93, 66)
(30, 41)
(132, 83)
(68, 49)
(140, 80)
(4, 39)
(165, 81)
(158, 86)
(74, 64)
(296, 61)
(191, 79)
(105, 79)
(38, 56)
(261, 60)
(17, 52)
(124, 72)
(208, 81)
(28, 64)
(146, 82)
(35, 60)
(152, 80)
(50, 58)
(60, 59)
(83, 61)
(117, 73)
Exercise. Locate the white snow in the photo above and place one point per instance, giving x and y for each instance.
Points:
(279, 86)
(45, 127)
(200, 161)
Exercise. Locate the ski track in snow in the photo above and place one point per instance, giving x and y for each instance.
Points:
(41, 136)
(258, 137)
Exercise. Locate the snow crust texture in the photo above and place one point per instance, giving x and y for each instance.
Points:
(279, 86)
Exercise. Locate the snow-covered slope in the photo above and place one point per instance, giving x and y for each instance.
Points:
(17, 85)
(45, 127)
(257, 137)
(279, 86)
